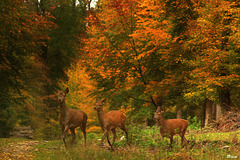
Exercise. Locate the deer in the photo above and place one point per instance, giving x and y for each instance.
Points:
(70, 119)
(170, 127)
(110, 121)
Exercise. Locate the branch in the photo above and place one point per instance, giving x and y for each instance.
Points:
(140, 99)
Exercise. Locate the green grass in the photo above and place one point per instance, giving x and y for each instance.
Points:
(213, 136)
(206, 150)
(146, 145)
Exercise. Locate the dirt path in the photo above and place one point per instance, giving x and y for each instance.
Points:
(18, 151)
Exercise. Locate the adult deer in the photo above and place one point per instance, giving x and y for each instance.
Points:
(110, 121)
(170, 127)
(70, 119)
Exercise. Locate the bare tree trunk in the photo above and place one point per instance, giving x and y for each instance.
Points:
(225, 100)
(179, 114)
(203, 116)
(208, 112)
(218, 111)
(213, 112)
(146, 122)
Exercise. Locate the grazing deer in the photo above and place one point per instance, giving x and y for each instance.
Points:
(110, 121)
(70, 119)
(170, 127)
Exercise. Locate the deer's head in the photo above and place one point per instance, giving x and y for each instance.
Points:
(158, 114)
(61, 95)
(99, 104)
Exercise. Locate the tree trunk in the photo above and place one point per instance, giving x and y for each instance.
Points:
(179, 114)
(208, 112)
(218, 111)
(225, 100)
(203, 116)
(213, 112)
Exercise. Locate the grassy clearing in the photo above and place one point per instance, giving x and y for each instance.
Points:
(146, 144)
(220, 136)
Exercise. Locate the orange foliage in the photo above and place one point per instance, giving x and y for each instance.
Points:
(80, 87)
(125, 32)
(94, 129)
(211, 43)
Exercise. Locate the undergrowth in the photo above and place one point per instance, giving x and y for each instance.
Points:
(146, 143)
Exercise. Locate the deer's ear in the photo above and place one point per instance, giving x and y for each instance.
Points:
(97, 100)
(104, 100)
(66, 90)
(57, 92)
(163, 109)
(158, 109)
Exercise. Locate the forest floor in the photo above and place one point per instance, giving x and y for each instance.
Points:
(19, 149)
(201, 145)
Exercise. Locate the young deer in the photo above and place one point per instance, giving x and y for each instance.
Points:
(70, 119)
(110, 121)
(170, 127)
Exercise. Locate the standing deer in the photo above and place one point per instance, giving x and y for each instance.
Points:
(110, 121)
(70, 119)
(170, 127)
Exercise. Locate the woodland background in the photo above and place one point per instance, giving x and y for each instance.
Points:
(181, 55)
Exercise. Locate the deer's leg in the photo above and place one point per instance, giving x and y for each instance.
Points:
(106, 133)
(114, 136)
(171, 141)
(64, 134)
(183, 134)
(126, 132)
(61, 140)
(183, 139)
(73, 135)
(83, 128)
(103, 137)
(64, 130)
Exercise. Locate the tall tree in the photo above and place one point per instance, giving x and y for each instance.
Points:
(128, 52)
(214, 44)
(137, 50)
(22, 31)
(60, 53)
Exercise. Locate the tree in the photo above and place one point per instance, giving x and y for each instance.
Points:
(81, 88)
(22, 31)
(214, 44)
(60, 53)
(127, 52)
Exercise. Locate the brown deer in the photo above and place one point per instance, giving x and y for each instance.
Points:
(170, 127)
(70, 119)
(110, 121)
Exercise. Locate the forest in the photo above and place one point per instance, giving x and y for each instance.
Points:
(180, 55)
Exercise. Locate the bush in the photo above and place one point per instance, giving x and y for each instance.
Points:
(194, 123)
(7, 121)
(139, 136)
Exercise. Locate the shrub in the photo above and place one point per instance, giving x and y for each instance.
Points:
(194, 123)
(140, 136)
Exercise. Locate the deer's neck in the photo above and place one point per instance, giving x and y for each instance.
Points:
(162, 122)
(63, 108)
(101, 118)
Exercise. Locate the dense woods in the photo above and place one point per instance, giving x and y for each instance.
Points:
(182, 55)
